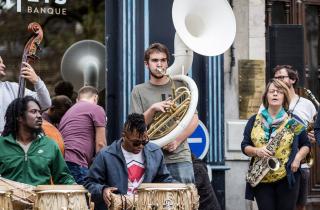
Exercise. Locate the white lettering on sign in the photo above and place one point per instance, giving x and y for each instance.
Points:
(18, 5)
(8, 4)
(47, 10)
(50, 10)
(48, 1)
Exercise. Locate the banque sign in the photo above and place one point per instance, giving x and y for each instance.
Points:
(33, 6)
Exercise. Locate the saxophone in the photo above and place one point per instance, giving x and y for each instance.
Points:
(309, 160)
(259, 167)
(312, 97)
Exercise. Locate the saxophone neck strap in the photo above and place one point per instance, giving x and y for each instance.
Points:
(290, 111)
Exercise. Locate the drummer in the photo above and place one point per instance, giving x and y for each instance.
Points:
(126, 163)
(26, 155)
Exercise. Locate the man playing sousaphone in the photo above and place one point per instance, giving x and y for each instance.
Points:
(125, 164)
(154, 97)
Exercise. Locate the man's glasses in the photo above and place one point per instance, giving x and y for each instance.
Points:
(281, 77)
(137, 143)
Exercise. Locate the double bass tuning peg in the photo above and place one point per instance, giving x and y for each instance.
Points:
(33, 57)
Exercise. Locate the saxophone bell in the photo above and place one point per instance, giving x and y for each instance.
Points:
(273, 163)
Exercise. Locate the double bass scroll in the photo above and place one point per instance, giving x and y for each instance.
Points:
(29, 53)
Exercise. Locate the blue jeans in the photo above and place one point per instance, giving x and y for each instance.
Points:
(78, 172)
(182, 172)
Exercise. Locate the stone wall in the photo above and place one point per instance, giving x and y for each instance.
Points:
(249, 44)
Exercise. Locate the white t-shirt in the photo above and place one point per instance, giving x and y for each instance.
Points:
(135, 166)
(25, 147)
(301, 107)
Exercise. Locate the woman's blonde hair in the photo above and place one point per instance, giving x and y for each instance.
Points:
(281, 86)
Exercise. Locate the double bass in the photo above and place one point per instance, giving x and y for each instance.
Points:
(29, 52)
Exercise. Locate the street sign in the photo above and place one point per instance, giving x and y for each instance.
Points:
(199, 141)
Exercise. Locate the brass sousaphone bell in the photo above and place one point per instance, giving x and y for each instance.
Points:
(207, 27)
(83, 63)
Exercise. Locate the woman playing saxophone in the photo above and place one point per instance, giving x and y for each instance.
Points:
(274, 135)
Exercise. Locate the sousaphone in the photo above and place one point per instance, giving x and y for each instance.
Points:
(83, 63)
(207, 27)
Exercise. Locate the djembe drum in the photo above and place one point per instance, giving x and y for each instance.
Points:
(61, 197)
(5, 198)
(158, 196)
(167, 196)
(21, 195)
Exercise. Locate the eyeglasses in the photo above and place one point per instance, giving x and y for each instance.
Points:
(162, 60)
(274, 91)
(281, 77)
(137, 142)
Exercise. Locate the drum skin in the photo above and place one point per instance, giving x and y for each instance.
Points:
(58, 197)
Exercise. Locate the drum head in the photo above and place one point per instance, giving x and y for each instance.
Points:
(59, 188)
(4, 189)
(162, 186)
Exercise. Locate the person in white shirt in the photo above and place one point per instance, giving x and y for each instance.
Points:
(9, 90)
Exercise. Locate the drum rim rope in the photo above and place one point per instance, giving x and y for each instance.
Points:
(61, 191)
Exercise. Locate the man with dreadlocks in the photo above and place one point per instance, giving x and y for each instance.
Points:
(26, 155)
(9, 90)
(126, 163)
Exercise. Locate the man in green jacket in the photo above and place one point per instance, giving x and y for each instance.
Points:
(26, 155)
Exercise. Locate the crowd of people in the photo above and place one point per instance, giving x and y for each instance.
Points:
(62, 140)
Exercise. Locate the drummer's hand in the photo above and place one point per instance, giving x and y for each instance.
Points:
(107, 194)
(171, 146)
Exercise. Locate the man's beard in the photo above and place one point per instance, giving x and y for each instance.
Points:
(35, 131)
(156, 76)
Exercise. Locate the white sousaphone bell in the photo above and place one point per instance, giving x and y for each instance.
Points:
(207, 27)
(83, 63)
